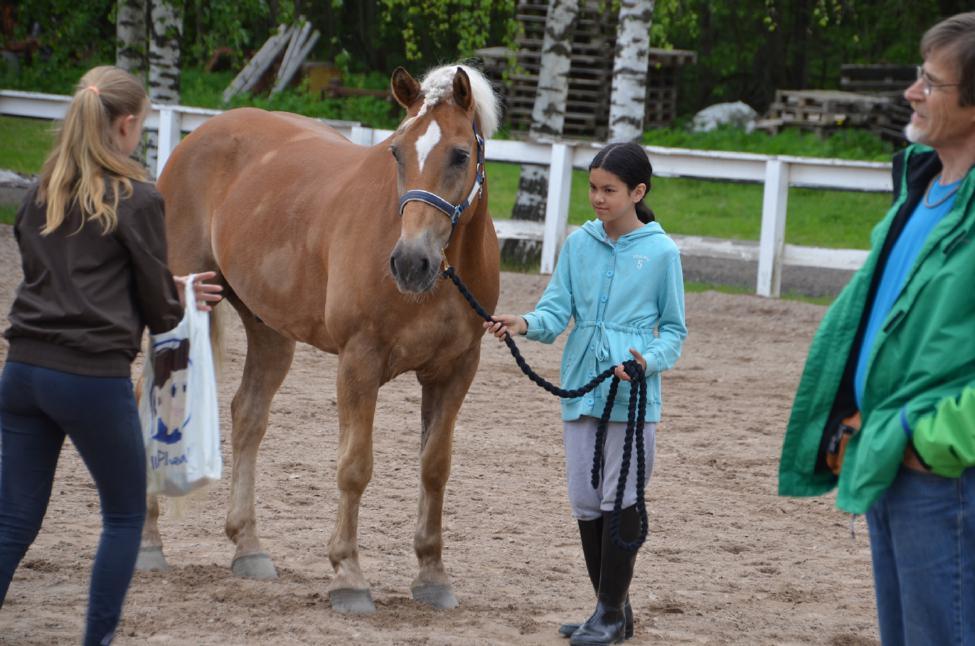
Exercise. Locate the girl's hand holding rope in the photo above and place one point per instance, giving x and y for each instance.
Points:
(620, 372)
(502, 324)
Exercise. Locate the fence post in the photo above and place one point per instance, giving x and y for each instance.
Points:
(772, 239)
(361, 136)
(170, 122)
(557, 205)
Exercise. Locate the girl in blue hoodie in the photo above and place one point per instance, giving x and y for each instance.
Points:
(619, 279)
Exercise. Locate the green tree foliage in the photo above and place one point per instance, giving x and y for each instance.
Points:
(67, 30)
(746, 48)
(429, 28)
(749, 48)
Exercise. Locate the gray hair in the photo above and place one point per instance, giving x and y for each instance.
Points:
(956, 37)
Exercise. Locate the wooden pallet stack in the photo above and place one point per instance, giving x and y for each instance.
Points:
(662, 79)
(821, 111)
(586, 114)
(872, 98)
(590, 72)
(888, 81)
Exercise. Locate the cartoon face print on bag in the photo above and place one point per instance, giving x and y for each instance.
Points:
(170, 369)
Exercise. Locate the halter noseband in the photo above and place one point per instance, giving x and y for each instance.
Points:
(452, 211)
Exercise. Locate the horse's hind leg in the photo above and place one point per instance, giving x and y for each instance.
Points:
(442, 397)
(151, 557)
(269, 357)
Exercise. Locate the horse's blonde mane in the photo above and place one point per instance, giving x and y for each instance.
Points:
(438, 84)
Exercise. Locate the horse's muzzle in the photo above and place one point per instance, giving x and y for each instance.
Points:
(414, 267)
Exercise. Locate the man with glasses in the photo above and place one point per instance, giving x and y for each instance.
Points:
(885, 409)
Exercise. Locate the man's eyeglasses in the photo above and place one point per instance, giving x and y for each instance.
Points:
(926, 85)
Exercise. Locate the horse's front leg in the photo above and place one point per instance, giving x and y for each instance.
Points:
(443, 395)
(151, 557)
(357, 388)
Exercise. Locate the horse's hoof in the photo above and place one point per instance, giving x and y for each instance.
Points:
(254, 566)
(151, 559)
(352, 601)
(438, 596)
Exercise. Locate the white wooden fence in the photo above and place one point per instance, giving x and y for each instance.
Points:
(777, 173)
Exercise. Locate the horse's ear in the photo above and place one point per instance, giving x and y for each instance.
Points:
(405, 88)
(463, 96)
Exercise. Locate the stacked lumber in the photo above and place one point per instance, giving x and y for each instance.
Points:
(590, 72)
(822, 111)
(883, 80)
(872, 98)
(586, 111)
(287, 48)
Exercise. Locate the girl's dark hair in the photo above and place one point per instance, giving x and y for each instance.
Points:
(630, 163)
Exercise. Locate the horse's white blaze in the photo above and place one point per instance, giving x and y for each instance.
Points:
(426, 142)
(268, 156)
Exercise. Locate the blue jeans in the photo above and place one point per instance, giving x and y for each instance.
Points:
(922, 538)
(38, 409)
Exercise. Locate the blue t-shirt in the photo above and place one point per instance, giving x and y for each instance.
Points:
(901, 260)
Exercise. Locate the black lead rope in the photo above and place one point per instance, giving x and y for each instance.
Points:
(636, 417)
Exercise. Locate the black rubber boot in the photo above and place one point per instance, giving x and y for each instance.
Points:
(566, 630)
(591, 534)
(607, 625)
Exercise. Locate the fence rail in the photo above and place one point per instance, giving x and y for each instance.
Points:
(777, 173)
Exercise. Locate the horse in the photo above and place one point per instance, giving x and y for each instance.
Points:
(322, 241)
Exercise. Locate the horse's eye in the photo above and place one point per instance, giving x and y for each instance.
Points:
(459, 157)
(394, 151)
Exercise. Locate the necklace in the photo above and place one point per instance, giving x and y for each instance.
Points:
(944, 198)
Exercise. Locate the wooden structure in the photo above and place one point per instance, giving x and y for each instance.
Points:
(888, 81)
(822, 111)
(872, 98)
(590, 73)
(296, 42)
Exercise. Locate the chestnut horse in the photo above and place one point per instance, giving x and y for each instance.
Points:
(337, 245)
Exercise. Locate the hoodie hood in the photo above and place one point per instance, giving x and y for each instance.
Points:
(596, 230)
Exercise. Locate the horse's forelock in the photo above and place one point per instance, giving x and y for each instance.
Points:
(438, 85)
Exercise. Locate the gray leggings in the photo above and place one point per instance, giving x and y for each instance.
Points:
(580, 443)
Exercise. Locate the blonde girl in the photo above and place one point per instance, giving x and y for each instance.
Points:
(93, 251)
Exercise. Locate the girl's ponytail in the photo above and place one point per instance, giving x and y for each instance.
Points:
(85, 165)
(644, 213)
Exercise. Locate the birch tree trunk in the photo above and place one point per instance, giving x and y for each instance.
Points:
(548, 118)
(627, 105)
(131, 37)
(166, 27)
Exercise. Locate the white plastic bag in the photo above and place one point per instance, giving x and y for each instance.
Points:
(178, 406)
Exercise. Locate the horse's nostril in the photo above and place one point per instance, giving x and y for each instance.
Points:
(392, 264)
(424, 265)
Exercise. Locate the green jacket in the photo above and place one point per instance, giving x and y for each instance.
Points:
(920, 381)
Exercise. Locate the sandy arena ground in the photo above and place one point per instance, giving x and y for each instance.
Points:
(727, 562)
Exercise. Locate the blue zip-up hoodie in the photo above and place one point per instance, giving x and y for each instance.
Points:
(617, 294)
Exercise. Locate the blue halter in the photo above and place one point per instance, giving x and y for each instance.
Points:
(452, 211)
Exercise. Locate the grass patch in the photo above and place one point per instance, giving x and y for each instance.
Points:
(7, 213)
(26, 143)
(818, 218)
(844, 144)
(691, 287)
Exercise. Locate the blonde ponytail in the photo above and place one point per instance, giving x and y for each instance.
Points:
(86, 166)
